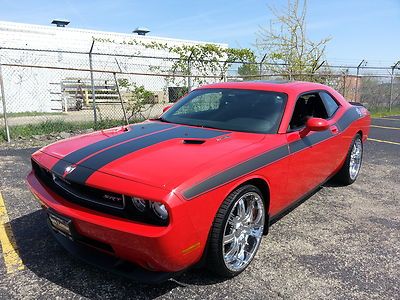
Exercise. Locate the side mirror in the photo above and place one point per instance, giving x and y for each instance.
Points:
(166, 108)
(314, 124)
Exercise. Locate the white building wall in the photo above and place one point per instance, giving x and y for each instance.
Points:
(33, 89)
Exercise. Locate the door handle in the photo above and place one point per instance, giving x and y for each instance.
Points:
(334, 129)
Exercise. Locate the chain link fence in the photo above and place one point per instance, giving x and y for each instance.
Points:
(43, 91)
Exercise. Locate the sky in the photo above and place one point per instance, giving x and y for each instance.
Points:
(359, 29)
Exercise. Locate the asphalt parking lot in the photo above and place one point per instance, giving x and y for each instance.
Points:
(341, 243)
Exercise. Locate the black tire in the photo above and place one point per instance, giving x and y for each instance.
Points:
(215, 255)
(344, 177)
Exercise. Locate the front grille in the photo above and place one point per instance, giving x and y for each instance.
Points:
(78, 192)
(92, 198)
(88, 194)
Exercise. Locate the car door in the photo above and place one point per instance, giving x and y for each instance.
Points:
(313, 157)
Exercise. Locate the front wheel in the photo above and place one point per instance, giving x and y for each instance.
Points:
(352, 165)
(237, 231)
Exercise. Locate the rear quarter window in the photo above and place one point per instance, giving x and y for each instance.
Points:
(330, 104)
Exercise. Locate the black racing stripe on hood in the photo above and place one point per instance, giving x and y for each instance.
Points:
(134, 131)
(269, 157)
(84, 170)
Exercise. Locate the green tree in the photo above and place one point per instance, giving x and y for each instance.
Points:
(288, 49)
(249, 71)
(139, 101)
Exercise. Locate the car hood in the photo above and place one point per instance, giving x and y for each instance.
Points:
(153, 153)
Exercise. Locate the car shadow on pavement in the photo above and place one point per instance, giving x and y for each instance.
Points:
(42, 255)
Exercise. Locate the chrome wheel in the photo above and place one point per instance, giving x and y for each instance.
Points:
(243, 231)
(355, 158)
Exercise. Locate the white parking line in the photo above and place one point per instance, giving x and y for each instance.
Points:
(385, 127)
(390, 119)
(383, 141)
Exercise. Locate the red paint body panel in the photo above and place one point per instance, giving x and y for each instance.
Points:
(168, 163)
(164, 171)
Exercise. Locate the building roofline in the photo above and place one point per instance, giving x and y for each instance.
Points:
(51, 29)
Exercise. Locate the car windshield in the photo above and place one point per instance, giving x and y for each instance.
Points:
(229, 109)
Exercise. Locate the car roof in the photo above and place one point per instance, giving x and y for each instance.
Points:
(284, 86)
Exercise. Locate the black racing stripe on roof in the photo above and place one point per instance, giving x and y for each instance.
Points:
(84, 170)
(134, 131)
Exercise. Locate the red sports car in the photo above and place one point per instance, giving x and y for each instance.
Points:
(203, 182)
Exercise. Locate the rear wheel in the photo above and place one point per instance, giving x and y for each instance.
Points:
(352, 165)
(237, 231)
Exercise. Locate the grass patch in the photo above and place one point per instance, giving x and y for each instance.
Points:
(56, 126)
(383, 112)
(30, 114)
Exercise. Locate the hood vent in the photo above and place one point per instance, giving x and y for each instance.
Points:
(194, 142)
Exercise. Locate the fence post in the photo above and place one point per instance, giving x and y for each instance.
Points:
(3, 100)
(189, 72)
(120, 99)
(361, 64)
(261, 65)
(344, 86)
(391, 85)
(92, 83)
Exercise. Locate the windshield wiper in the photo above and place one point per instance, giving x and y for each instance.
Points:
(186, 124)
(161, 120)
(205, 126)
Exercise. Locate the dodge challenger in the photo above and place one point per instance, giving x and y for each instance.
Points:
(202, 183)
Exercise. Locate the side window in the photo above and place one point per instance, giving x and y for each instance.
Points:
(330, 104)
(307, 106)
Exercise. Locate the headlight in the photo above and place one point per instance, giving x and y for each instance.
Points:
(139, 203)
(159, 210)
(150, 211)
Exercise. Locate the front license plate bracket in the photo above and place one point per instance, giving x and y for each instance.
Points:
(60, 224)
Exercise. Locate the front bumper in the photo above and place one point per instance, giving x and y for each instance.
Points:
(154, 248)
(111, 263)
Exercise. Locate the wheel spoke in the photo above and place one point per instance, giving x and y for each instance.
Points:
(241, 209)
(231, 219)
(249, 215)
(229, 238)
(257, 231)
(233, 250)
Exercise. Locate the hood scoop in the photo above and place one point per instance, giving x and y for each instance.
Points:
(194, 142)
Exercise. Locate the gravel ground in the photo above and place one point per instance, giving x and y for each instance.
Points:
(341, 243)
